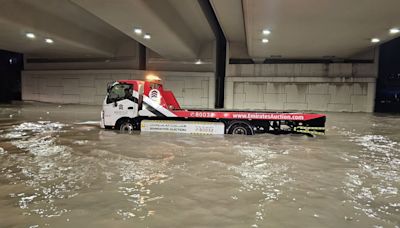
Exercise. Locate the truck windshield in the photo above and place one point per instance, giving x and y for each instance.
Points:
(120, 92)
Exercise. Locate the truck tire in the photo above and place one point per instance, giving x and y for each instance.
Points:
(240, 128)
(126, 126)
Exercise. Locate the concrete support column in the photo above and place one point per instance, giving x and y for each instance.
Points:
(229, 83)
(221, 54)
(142, 57)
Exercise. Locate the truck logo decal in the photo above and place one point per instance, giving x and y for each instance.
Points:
(155, 95)
(120, 107)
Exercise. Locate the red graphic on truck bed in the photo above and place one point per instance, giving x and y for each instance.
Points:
(246, 115)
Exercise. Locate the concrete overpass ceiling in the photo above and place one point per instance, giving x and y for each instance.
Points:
(317, 28)
(75, 32)
(180, 31)
(177, 28)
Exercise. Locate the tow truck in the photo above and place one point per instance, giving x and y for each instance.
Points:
(145, 105)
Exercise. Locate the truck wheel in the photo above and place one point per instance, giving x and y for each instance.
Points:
(126, 126)
(240, 128)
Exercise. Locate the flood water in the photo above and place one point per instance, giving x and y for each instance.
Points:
(59, 169)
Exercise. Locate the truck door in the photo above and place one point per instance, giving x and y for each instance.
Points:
(121, 101)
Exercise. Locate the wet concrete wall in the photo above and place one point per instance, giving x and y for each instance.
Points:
(192, 90)
(317, 87)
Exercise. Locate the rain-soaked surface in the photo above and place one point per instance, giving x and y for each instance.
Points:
(59, 169)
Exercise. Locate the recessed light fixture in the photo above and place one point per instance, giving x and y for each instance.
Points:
(265, 41)
(394, 30)
(266, 32)
(49, 41)
(30, 35)
(375, 40)
(138, 31)
(198, 62)
(147, 36)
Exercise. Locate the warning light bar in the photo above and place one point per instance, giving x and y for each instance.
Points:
(153, 78)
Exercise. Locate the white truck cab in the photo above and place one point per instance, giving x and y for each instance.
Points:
(121, 101)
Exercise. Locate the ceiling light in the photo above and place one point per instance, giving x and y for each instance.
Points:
(266, 32)
(198, 62)
(137, 31)
(265, 41)
(30, 35)
(147, 36)
(394, 31)
(49, 41)
(375, 40)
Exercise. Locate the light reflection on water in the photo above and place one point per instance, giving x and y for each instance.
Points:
(57, 168)
(258, 172)
(51, 172)
(373, 185)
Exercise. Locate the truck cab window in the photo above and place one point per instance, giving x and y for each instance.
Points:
(120, 92)
(154, 86)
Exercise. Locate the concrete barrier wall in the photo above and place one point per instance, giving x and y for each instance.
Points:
(313, 87)
(192, 89)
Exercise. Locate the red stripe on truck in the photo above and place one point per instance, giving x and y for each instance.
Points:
(246, 115)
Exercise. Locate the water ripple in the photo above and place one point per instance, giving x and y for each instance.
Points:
(259, 172)
(373, 185)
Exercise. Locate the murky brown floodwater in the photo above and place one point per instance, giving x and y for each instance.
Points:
(59, 169)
